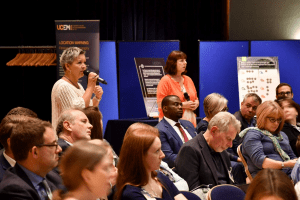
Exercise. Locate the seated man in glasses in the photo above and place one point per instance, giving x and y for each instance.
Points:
(34, 146)
(284, 90)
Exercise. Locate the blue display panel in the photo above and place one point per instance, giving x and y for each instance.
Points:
(108, 71)
(218, 70)
(288, 53)
(130, 95)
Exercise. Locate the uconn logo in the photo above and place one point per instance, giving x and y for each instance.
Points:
(64, 27)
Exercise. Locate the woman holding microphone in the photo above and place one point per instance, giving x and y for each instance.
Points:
(67, 92)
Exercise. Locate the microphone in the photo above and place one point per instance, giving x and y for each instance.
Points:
(186, 96)
(99, 80)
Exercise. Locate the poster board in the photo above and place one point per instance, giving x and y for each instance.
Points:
(150, 71)
(78, 33)
(258, 75)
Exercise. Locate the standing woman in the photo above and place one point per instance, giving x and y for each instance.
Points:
(176, 83)
(140, 157)
(67, 92)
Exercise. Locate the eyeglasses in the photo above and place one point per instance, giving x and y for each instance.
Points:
(273, 120)
(48, 145)
(224, 109)
(284, 93)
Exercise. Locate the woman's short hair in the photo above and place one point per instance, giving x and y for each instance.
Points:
(68, 56)
(214, 103)
(131, 166)
(291, 103)
(171, 64)
(266, 109)
(82, 155)
(271, 182)
(94, 115)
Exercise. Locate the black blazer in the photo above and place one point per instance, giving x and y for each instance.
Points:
(4, 165)
(16, 185)
(292, 134)
(195, 165)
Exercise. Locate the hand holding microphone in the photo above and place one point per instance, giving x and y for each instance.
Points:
(99, 80)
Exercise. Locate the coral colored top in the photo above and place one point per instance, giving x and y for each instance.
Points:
(168, 86)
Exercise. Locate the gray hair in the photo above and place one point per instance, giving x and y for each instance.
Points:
(214, 103)
(68, 56)
(255, 97)
(222, 120)
(67, 115)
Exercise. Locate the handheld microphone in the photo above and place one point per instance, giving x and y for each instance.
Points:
(99, 80)
(186, 96)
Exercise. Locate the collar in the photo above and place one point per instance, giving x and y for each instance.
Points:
(170, 121)
(34, 178)
(11, 161)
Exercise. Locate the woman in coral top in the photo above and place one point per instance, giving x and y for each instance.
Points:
(176, 83)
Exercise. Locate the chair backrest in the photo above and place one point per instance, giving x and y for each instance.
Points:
(190, 195)
(239, 151)
(225, 192)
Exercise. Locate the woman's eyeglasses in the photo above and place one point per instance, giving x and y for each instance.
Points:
(273, 120)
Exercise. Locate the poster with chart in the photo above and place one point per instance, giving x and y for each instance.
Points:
(258, 75)
(150, 71)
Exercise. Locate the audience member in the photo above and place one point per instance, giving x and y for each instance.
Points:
(265, 146)
(173, 132)
(35, 149)
(73, 125)
(203, 160)
(271, 184)
(8, 123)
(95, 117)
(176, 83)
(246, 116)
(140, 158)
(212, 104)
(291, 127)
(284, 90)
(179, 182)
(86, 171)
(67, 92)
(295, 175)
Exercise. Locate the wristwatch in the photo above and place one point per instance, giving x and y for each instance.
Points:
(282, 165)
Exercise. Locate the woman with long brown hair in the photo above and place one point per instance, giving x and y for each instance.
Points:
(139, 159)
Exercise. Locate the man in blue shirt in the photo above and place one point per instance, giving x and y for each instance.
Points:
(35, 149)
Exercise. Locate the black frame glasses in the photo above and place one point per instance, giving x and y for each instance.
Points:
(48, 145)
(285, 93)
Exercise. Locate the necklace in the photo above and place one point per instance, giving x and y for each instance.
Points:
(71, 82)
(154, 194)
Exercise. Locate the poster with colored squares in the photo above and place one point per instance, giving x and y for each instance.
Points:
(258, 75)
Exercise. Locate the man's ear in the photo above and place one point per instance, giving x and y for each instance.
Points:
(67, 125)
(165, 109)
(214, 130)
(34, 152)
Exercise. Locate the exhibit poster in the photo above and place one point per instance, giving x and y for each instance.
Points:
(150, 71)
(258, 75)
(79, 33)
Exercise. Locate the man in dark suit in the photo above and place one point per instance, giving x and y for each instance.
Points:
(203, 160)
(11, 120)
(173, 131)
(34, 145)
